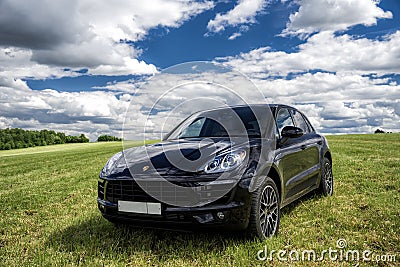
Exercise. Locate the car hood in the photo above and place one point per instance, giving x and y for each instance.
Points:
(171, 156)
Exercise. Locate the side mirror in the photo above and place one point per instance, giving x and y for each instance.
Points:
(291, 132)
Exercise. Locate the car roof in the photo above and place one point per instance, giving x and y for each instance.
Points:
(271, 106)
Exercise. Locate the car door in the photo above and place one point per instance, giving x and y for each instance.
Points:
(310, 162)
(288, 153)
(293, 155)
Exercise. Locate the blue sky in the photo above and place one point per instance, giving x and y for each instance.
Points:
(75, 66)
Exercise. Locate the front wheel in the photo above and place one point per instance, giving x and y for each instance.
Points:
(265, 210)
(326, 184)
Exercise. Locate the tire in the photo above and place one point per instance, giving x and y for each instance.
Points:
(265, 211)
(326, 184)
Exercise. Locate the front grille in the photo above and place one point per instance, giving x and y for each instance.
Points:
(127, 190)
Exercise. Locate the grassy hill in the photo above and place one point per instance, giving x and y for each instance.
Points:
(49, 216)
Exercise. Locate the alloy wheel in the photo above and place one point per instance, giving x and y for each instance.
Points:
(269, 211)
(328, 178)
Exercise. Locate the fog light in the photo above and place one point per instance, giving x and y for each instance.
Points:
(220, 215)
(204, 218)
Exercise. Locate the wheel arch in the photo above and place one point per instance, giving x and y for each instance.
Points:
(274, 175)
(328, 155)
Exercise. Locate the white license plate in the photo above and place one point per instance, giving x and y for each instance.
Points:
(139, 207)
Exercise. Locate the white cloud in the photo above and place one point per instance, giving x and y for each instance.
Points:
(130, 86)
(341, 102)
(333, 15)
(242, 29)
(243, 13)
(85, 34)
(74, 112)
(327, 52)
(235, 35)
(131, 20)
(16, 62)
(320, 87)
(336, 80)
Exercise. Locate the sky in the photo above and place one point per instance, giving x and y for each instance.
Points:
(79, 66)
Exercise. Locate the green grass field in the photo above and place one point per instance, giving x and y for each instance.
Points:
(49, 216)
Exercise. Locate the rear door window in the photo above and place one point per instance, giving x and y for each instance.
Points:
(299, 121)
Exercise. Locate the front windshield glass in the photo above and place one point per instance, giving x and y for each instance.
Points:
(218, 123)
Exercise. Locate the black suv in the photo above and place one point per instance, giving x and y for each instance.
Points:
(234, 167)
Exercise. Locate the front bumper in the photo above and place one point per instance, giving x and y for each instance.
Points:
(230, 212)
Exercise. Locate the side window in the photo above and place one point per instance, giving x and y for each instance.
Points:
(283, 119)
(299, 121)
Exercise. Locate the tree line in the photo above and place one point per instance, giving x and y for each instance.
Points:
(19, 138)
(108, 138)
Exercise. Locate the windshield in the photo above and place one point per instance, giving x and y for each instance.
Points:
(218, 123)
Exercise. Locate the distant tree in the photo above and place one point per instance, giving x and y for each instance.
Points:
(20, 138)
(7, 146)
(379, 131)
(57, 140)
(12, 144)
(83, 139)
(19, 144)
(62, 137)
(108, 138)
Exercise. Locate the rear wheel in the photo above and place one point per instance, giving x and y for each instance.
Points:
(326, 184)
(265, 210)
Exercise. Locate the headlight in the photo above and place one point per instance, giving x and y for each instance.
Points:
(225, 162)
(110, 163)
